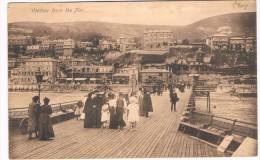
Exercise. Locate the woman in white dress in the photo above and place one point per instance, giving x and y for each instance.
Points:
(105, 115)
(133, 113)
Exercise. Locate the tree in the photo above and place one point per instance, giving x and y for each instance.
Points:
(185, 41)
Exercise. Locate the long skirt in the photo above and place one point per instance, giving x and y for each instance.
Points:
(88, 121)
(113, 121)
(45, 131)
(120, 114)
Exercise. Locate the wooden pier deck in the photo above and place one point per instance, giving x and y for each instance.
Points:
(156, 137)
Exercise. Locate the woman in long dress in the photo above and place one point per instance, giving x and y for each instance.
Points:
(45, 125)
(112, 109)
(88, 110)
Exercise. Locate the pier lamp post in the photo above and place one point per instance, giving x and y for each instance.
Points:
(39, 77)
(104, 78)
(133, 82)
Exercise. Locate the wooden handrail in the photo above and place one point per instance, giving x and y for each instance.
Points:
(50, 104)
(237, 121)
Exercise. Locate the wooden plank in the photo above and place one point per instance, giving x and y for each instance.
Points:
(225, 143)
(247, 149)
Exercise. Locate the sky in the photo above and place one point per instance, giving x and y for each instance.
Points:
(150, 13)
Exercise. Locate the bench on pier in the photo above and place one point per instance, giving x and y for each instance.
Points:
(214, 128)
(60, 112)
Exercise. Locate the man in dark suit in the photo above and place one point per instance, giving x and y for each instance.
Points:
(174, 98)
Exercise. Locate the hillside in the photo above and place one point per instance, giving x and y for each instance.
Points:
(240, 24)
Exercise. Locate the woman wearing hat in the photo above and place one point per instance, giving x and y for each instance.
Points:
(45, 125)
(133, 112)
(88, 110)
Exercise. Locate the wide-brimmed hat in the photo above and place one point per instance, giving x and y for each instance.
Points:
(132, 99)
(36, 98)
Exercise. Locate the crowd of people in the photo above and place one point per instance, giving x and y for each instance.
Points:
(99, 110)
(106, 110)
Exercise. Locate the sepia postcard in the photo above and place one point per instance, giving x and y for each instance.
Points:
(148, 79)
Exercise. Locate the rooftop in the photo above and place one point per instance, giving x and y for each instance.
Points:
(148, 52)
(220, 35)
(42, 60)
(154, 70)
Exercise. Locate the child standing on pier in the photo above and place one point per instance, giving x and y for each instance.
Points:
(79, 109)
(105, 115)
(133, 113)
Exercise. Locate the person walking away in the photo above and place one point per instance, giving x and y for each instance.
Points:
(88, 110)
(148, 107)
(133, 110)
(79, 109)
(33, 117)
(120, 108)
(174, 98)
(105, 115)
(45, 125)
(139, 96)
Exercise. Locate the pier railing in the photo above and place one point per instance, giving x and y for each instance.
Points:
(18, 117)
(213, 128)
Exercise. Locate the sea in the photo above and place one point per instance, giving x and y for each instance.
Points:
(222, 103)
(226, 105)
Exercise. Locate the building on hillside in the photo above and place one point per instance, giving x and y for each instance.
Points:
(125, 43)
(124, 40)
(152, 74)
(183, 65)
(155, 65)
(68, 48)
(128, 75)
(33, 48)
(84, 44)
(61, 47)
(12, 63)
(77, 63)
(250, 44)
(25, 74)
(157, 39)
(127, 46)
(106, 45)
(19, 40)
(18, 44)
(39, 40)
(91, 74)
(237, 44)
(218, 42)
